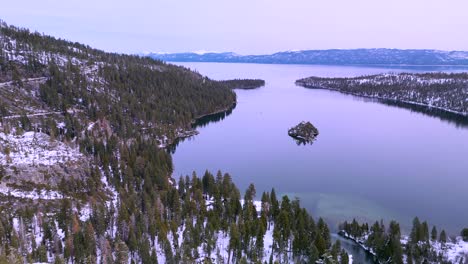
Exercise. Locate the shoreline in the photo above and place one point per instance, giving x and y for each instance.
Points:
(358, 243)
(453, 250)
(232, 106)
(187, 133)
(321, 64)
(460, 114)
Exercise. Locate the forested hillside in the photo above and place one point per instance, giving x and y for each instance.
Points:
(444, 91)
(85, 178)
(388, 245)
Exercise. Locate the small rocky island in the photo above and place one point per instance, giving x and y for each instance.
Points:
(303, 133)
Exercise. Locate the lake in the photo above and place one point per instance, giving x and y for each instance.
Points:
(371, 160)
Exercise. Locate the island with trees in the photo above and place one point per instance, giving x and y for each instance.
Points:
(84, 177)
(304, 132)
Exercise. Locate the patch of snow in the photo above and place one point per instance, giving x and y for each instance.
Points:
(202, 52)
(257, 204)
(85, 213)
(35, 148)
(61, 125)
(34, 194)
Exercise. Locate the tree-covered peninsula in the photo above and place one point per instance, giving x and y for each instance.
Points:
(444, 91)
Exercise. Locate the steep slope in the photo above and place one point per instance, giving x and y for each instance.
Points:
(59, 98)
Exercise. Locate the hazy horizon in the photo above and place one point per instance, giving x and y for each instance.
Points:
(246, 27)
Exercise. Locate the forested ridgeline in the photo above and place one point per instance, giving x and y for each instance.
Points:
(132, 93)
(388, 245)
(446, 91)
(244, 83)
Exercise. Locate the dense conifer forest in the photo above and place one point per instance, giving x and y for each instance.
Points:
(86, 175)
(100, 188)
(244, 83)
(388, 245)
(444, 91)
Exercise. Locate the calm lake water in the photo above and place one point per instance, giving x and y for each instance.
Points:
(371, 161)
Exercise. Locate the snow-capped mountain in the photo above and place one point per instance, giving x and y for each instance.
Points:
(330, 57)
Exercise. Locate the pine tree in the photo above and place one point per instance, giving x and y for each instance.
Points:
(265, 203)
(250, 193)
(415, 235)
(58, 260)
(90, 240)
(154, 257)
(336, 250)
(324, 232)
(344, 258)
(464, 234)
(259, 241)
(234, 241)
(320, 244)
(443, 237)
(434, 233)
(424, 232)
(394, 244)
(16, 76)
(409, 258)
(121, 252)
(274, 204)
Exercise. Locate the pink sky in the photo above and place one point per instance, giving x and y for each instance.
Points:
(247, 26)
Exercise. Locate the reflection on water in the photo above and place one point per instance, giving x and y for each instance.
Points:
(372, 160)
(303, 142)
(200, 123)
(360, 256)
(213, 118)
(458, 120)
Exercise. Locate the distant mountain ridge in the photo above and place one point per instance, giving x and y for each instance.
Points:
(329, 57)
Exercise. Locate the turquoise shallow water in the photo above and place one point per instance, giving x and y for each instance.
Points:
(371, 161)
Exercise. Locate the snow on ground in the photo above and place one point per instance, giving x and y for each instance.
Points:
(34, 194)
(114, 199)
(85, 212)
(33, 148)
(90, 126)
(32, 115)
(453, 251)
(37, 230)
(456, 251)
(257, 204)
(268, 243)
(24, 81)
(222, 246)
